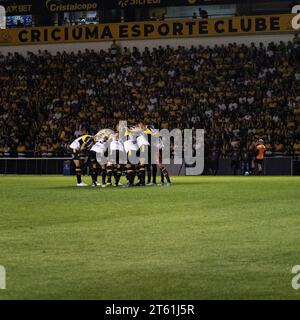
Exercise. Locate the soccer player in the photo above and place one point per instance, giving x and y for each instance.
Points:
(142, 153)
(101, 149)
(245, 157)
(94, 167)
(235, 161)
(81, 144)
(97, 157)
(116, 154)
(151, 167)
(163, 171)
(130, 147)
(252, 155)
(158, 158)
(259, 159)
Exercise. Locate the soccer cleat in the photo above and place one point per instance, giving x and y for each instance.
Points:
(103, 185)
(108, 184)
(94, 184)
(128, 185)
(118, 184)
(150, 184)
(82, 184)
(169, 184)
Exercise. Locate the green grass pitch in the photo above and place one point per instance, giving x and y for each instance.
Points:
(202, 238)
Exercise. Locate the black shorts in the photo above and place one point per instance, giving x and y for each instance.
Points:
(214, 164)
(116, 157)
(75, 154)
(259, 161)
(101, 157)
(235, 164)
(92, 156)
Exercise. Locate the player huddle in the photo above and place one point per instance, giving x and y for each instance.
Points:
(110, 154)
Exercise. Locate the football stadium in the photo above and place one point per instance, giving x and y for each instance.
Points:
(149, 150)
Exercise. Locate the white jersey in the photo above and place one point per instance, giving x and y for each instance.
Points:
(75, 144)
(156, 140)
(142, 140)
(131, 145)
(100, 146)
(116, 145)
(136, 139)
(160, 143)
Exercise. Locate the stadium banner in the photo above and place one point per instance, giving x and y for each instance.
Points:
(87, 5)
(244, 25)
(22, 7)
(17, 7)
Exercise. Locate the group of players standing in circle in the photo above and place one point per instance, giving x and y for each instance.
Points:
(110, 155)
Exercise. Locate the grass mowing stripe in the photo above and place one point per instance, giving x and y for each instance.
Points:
(202, 238)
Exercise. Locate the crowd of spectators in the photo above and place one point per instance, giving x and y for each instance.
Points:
(237, 93)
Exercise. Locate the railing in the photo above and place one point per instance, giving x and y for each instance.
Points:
(273, 166)
(287, 166)
(33, 165)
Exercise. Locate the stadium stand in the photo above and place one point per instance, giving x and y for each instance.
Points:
(237, 93)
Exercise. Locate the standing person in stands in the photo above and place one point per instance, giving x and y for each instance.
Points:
(259, 159)
(246, 161)
(252, 155)
(214, 161)
(235, 161)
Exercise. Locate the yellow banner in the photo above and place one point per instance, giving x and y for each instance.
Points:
(149, 30)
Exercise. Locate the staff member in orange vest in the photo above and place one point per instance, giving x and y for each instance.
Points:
(260, 154)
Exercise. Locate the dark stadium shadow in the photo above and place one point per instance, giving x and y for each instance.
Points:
(120, 188)
(82, 188)
(65, 187)
(198, 182)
